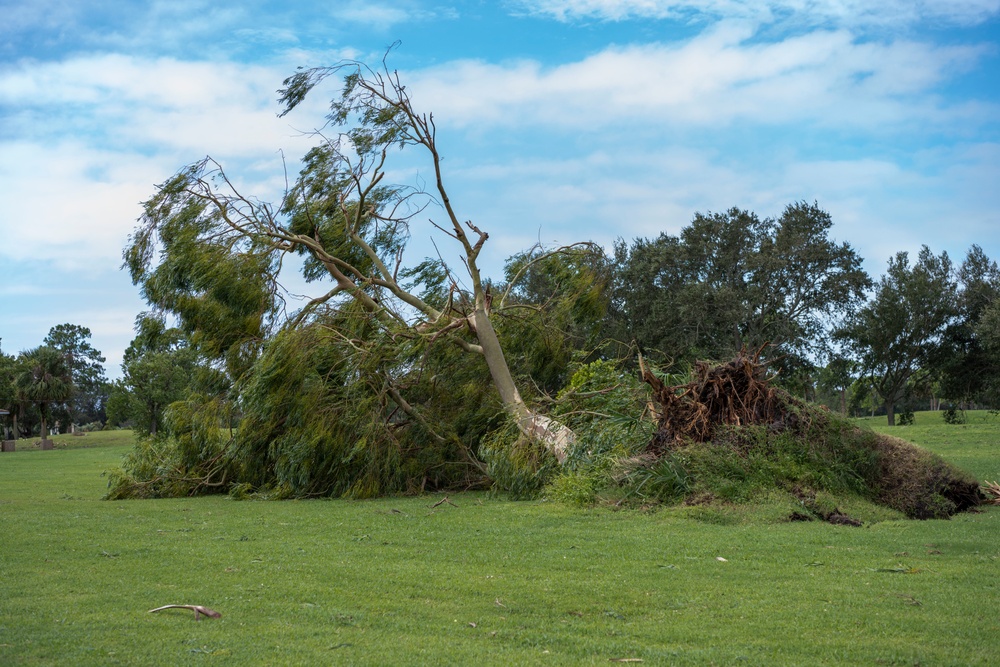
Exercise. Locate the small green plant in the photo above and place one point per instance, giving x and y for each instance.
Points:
(953, 416)
(664, 479)
(905, 418)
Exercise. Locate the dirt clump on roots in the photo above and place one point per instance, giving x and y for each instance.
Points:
(734, 407)
(737, 393)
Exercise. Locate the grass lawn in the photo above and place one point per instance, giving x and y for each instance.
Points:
(481, 581)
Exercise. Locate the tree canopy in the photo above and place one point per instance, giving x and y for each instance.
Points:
(45, 377)
(900, 331)
(385, 334)
(87, 369)
(733, 279)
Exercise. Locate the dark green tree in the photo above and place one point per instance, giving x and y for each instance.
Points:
(159, 367)
(732, 279)
(900, 332)
(837, 377)
(8, 393)
(970, 367)
(87, 368)
(553, 305)
(45, 378)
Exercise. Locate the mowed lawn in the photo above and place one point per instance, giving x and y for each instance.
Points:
(481, 581)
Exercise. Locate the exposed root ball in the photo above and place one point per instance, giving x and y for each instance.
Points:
(733, 407)
(736, 393)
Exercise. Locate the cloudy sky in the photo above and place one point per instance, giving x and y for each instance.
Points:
(559, 121)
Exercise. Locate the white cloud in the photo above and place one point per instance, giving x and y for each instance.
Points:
(90, 137)
(842, 12)
(720, 76)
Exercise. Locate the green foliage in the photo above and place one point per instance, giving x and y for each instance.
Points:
(315, 419)
(601, 403)
(8, 390)
(159, 368)
(970, 360)
(900, 331)
(732, 279)
(953, 415)
(551, 311)
(665, 479)
(219, 282)
(90, 387)
(44, 378)
(517, 466)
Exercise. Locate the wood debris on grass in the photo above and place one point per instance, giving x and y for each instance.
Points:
(198, 610)
(442, 502)
(992, 492)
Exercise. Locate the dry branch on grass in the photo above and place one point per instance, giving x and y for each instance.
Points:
(198, 610)
(992, 491)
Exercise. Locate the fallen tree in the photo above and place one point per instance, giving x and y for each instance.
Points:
(731, 413)
(376, 349)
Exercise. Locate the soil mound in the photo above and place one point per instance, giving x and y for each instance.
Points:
(735, 405)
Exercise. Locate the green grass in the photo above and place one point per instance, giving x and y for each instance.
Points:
(86, 441)
(974, 446)
(395, 581)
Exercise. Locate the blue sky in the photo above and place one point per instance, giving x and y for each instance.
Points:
(559, 121)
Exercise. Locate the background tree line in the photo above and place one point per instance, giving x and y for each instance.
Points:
(61, 381)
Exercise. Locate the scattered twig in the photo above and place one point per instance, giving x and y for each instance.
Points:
(443, 501)
(992, 491)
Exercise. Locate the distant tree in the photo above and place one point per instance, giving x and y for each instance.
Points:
(8, 392)
(87, 368)
(732, 279)
(970, 363)
(900, 332)
(158, 369)
(837, 376)
(45, 378)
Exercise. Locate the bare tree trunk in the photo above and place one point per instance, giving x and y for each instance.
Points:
(556, 437)
(46, 443)
(890, 412)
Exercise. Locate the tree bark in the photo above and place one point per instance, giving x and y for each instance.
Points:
(890, 413)
(556, 437)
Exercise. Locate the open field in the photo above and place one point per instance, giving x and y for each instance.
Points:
(397, 581)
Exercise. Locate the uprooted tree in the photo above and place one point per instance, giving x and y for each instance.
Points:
(730, 417)
(374, 357)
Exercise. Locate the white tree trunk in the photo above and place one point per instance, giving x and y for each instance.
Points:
(555, 436)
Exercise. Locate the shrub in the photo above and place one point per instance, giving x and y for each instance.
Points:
(953, 416)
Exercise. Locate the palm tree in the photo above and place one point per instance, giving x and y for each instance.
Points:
(45, 378)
